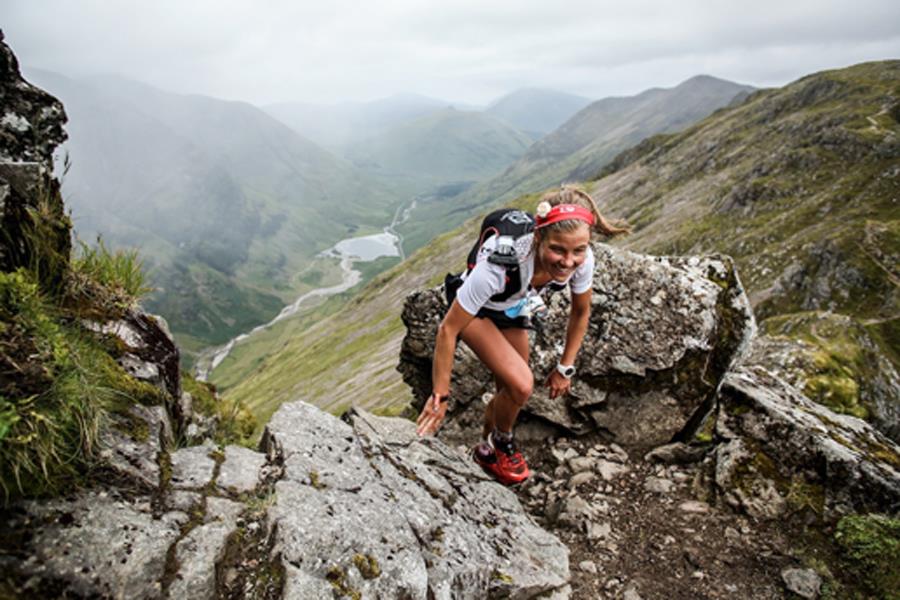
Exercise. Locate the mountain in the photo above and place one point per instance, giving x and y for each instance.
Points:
(579, 148)
(226, 203)
(798, 184)
(592, 137)
(537, 111)
(448, 145)
(339, 125)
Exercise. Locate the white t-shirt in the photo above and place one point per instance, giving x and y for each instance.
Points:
(487, 279)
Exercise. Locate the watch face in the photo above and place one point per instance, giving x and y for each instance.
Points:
(567, 371)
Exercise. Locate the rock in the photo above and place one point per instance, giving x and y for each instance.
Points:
(658, 485)
(588, 566)
(677, 453)
(388, 514)
(806, 583)
(576, 512)
(610, 470)
(780, 445)
(201, 549)
(96, 545)
(799, 362)
(131, 443)
(580, 464)
(183, 501)
(150, 354)
(222, 509)
(31, 128)
(192, 467)
(580, 479)
(598, 531)
(241, 470)
(672, 353)
(631, 593)
(694, 507)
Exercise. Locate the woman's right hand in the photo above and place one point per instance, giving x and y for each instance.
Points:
(432, 415)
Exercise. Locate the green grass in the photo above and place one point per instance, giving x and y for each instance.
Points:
(58, 385)
(119, 270)
(870, 545)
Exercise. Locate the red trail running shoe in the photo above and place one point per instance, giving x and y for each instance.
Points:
(506, 465)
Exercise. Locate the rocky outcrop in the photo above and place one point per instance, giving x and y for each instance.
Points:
(356, 508)
(146, 350)
(662, 333)
(834, 360)
(782, 453)
(388, 515)
(31, 127)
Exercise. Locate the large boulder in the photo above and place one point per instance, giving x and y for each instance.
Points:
(781, 453)
(663, 332)
(386, 514)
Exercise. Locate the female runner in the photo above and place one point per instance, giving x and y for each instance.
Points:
(497, 332)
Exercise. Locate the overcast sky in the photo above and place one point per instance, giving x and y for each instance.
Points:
(459, 50)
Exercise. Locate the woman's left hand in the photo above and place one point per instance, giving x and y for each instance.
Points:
(558, 384)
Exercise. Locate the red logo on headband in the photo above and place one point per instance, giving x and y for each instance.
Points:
(564, 212)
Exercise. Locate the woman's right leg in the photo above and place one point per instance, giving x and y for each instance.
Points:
(510, 368)
(518, 338)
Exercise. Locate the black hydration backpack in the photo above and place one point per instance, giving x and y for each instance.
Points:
(510, 226)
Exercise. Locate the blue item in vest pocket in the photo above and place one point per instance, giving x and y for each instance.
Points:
(531, 307)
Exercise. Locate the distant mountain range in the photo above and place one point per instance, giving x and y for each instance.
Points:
(798, 184)
(537, 111)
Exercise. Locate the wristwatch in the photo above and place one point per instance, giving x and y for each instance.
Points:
(566, 371)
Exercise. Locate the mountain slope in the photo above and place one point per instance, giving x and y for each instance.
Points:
(799, 184)
(448, 145)
(226, 203)
(537, 111)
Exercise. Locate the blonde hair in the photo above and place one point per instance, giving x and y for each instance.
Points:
(570, 194)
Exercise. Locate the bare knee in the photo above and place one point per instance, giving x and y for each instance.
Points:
(521, 387)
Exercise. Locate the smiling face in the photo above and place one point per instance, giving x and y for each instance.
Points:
(561, 252)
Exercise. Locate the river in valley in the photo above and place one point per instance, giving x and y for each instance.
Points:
(348, 251)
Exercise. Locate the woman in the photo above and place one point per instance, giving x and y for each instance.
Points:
(497, 331)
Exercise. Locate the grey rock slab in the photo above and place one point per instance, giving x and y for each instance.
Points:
(222, 509)
(131, 443)
(776, 437)
(192, 467)
(183, 500)
(806, 583)
(201, 549)
(241, 470)
(387, 514)
(101, 546)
